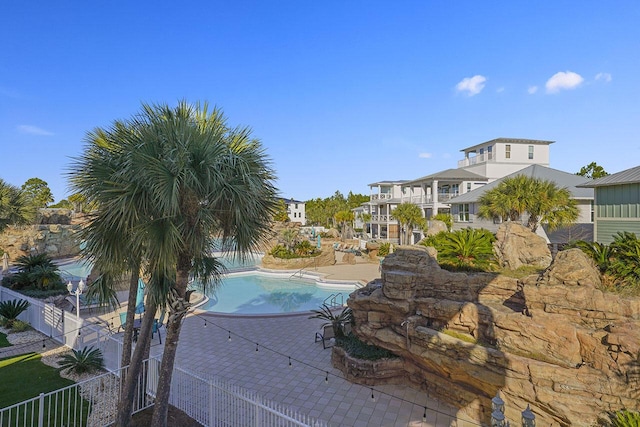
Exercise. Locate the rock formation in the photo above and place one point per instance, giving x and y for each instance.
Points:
(553, 341)
(59, 241)
(327, 257)
(516, 246)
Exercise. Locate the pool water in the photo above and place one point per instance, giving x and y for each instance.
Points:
(256, 293)
(74, 269)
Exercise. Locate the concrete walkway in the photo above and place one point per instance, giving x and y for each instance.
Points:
(302, 386)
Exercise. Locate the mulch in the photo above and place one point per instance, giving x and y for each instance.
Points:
(176, 418)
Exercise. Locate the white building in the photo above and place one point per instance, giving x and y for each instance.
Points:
(295, 210)
(482, 164)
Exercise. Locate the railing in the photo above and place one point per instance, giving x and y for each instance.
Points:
(382, 218)
(385, 196)
(332, 300)
(480, 158)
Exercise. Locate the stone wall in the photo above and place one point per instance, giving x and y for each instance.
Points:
(553, 341)
(59, 241)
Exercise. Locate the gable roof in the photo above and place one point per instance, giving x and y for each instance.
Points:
(450, 174)
(509, 141)
(628, 176)
(560, 178)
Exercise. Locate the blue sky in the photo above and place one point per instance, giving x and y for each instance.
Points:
(341, 93)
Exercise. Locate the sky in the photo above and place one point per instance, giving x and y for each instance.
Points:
(342, 94)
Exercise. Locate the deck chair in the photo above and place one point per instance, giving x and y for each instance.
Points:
(157, 324)
(325, 335)
(123, 321)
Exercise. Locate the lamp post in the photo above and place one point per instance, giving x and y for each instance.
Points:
(77, 293)
(497, 411)
(528, 418)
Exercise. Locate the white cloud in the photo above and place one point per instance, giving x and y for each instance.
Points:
(532, 89)
(425, 155)
(606, 77)
(34, 130)
(563, 80)
(471, 85)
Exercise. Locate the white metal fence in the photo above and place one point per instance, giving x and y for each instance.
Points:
(93, 402)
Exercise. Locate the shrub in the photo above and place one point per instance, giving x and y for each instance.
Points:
(335, 320)
(36, 272)
(353, 346)
(446, 218)
(20, 326)
(302, 249)
(600, 253)
(10, 310)
(384, 249)
(623, 418)
(88, 359)
(469, 249)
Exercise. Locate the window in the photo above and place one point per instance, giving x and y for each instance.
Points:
(530, 152)
(468, 187)
(592, 211)
(490, 152)
(296, 206)
(463, 212)
(507, 151)
(455, 189)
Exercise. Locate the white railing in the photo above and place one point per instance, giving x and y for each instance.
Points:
(214, 403)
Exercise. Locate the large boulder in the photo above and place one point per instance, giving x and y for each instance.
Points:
(517, 246)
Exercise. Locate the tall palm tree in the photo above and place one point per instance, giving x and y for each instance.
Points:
(542, 200)
(179, 178)
(345, 219)
(409, 216)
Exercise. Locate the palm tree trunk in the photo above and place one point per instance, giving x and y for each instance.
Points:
(161, 406)
(127, 339)
(125, 405)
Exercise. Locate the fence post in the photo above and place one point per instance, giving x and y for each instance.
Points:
(211, 404)
(41, 410)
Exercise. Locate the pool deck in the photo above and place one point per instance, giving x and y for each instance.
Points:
(301, 386)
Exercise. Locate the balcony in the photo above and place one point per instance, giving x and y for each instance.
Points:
(480, 158)
(382, 218)
(384, 196)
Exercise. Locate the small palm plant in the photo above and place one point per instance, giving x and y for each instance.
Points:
(336, 320)
(88, 359)
(10, 310)
(624, 418)
(467, 248)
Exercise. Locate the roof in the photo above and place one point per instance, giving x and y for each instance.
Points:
(628, 176)
(509, 141)
(393, 182)
(560, 178)
(289, 200)
(450, 174)
(570, 233)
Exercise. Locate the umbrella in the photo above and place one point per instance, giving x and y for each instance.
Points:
(319, 242)
(5, 262)
(140, 297)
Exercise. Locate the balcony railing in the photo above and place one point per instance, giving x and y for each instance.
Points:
(480, 158)
(382, 218)
(381, 196)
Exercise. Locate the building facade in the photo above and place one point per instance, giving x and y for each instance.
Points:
(296, 211)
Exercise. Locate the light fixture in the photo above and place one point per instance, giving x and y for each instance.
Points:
(528, 418)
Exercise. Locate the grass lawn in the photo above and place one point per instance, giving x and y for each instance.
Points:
(24, 377)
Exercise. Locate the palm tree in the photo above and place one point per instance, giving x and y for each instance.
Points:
(178, 178)
(409, 216)
(542, 200)
(13, 207)
(345, 218)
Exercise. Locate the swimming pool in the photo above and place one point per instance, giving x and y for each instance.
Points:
(74, 269)
(271, 293)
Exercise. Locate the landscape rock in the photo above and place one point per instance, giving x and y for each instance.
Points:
(517, 246)
(553, 341)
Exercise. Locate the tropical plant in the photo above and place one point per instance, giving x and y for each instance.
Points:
(409, 216)
(13, 208)
(623, 418)
(336, 320)
(446, 218)
(354, 347)
(36, 271)
(88, 359)
(281, 212)
(289, 237)
(625, 264)
(171, 181)
(304, 248)
(345, 219)
(542, 200)
(384, 249)
(467, 247)
(11, 309)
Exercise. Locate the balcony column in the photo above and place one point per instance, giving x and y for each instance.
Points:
(434, 192)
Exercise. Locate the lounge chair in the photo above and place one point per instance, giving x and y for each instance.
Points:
(325, 335)
(84, 303)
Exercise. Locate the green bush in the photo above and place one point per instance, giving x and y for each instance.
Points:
(360, 350)
(302, 249)
(36, 272)
(88, 359)
(10, 310)
(335, 320)
(20, 326)
(469, 249)
(384, 249)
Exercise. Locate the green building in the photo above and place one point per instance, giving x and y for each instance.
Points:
(616, 204)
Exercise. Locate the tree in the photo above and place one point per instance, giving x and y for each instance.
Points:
(543, 200)
(345, 219)
(13, 208)
(593, 171)
(79, 201)
(179, 177)
(281, 213)
(409, 216)
(37, 193)
(63, 204)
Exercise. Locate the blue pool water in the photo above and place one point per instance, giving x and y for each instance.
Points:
(258, 293)
(74, 269)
